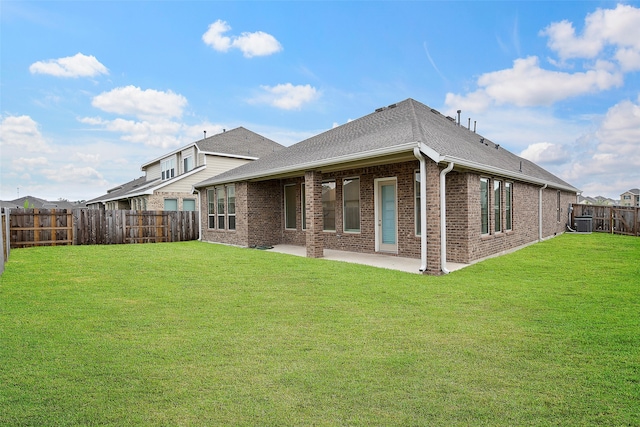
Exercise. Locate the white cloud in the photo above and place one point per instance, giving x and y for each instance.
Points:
(23, 163)
(526, 84)
(545, 153)
(287, 96)
(147, 103)
(78, 65)
(71, 173)
(87, 158)
(619, 27)
(22, 132)
(251, 44)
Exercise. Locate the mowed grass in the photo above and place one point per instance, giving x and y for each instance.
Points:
(200, 334)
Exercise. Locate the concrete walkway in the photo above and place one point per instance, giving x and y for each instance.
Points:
(409, 265)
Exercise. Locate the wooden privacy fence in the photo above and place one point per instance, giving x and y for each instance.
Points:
(50, 227)
(610, 219)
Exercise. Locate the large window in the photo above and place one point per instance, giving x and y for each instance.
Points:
(558, 206)
(231, 207)
(170, 204)
(508, 205)
(329, 205)
(351, 198)
(189, 205)
(416, 186)
(168, 168)
(484, 205)
(211, 197)
(290, 206)
(497, 205)
(220, 206)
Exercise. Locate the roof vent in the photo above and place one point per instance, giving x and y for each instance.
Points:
(481, 140)
(392, 106)
(380, 109)
(451, 119)
(497, 146)
(433, 110)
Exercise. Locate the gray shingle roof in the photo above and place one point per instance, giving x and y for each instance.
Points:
(120, 191)
(239, 142)
(399, 127)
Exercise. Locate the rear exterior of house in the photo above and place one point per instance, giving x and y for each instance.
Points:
(384, 190)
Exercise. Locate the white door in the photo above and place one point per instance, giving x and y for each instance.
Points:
(386, 215)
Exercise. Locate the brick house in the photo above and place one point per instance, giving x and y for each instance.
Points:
(404, 180)
(168, 180)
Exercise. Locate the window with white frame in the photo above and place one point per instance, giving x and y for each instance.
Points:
(508, 205)
(351, 204)
(231, 207)
(497, 205)
(168, 168)
(187, 164)
(290, 206)
(220, 207)
(418, 212)
(329, 205)
(558, 206)
(211, 198)
(484, 205)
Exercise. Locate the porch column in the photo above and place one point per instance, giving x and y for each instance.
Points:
(313, 209)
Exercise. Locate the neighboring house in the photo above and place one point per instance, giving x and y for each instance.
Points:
(35, 202)
(404, 180)
(598, 200)
(630, 198)
(167, 181)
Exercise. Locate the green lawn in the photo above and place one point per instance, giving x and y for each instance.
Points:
(199, 334)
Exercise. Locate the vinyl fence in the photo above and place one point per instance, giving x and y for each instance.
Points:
(51, 227)
(609, 219)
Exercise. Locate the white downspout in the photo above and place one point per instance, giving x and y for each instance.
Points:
(443, 219)
(540, 213)
(199, 214)
(423, 209)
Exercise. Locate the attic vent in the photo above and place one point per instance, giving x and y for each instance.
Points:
(380, 109)
(433, 110)
(392, 106)
(451, 119)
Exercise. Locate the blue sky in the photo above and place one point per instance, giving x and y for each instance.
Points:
(91, 90)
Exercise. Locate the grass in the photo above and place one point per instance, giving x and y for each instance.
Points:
(199, 334)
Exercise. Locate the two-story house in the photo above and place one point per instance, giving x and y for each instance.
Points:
(167, 181)
(630, 198)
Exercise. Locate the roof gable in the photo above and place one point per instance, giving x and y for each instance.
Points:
(239, 142)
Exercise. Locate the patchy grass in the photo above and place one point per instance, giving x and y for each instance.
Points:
(200, 334)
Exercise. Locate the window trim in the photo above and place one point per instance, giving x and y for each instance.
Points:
(497, 205)
(344, 208)
(230, 215)
(211, 209)
(185, 160)
(220, 208)
(484, 222)
(287, 211)
(508, 206)
(334, 206)
(171, 161)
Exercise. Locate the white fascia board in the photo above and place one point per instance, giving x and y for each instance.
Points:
(363, 155)
(234, 156)
(430, 152)
(506, 173)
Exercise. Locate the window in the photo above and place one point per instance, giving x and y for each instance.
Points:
(212, 208)
(168, 168)
(329, 206)
(508, 208)
(189, 205)
(304, 206)
(220, 206)
(416, 186)
(170, 204)
(558, 206)
(231, 206)
(290, 206)
(627, 197)
(187, 164)
(497, 205)
(351, 199)
(484, 205)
